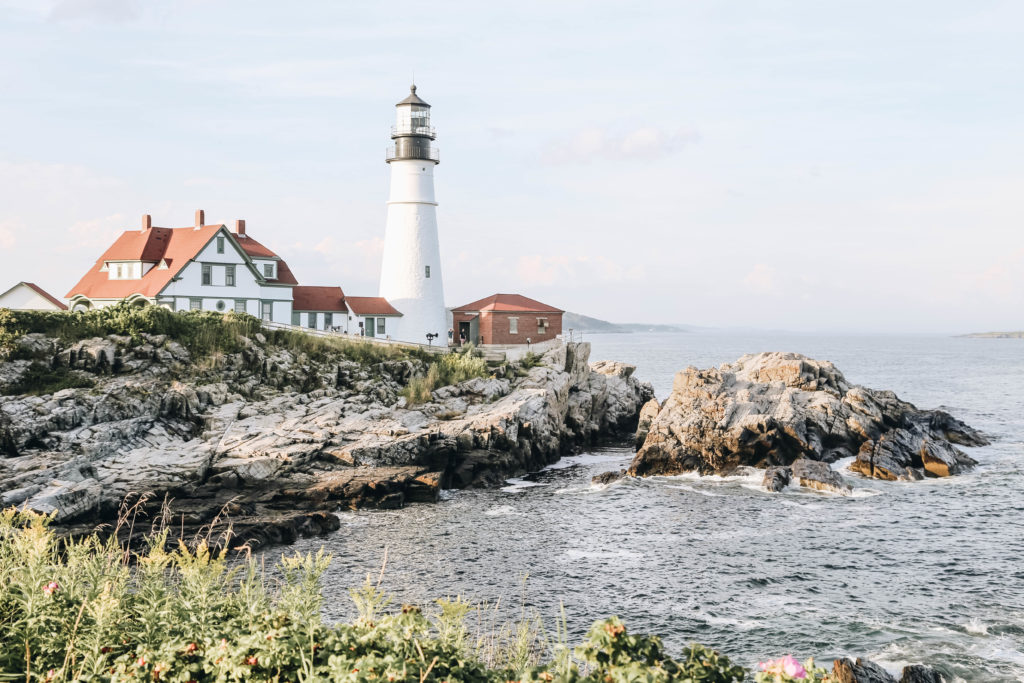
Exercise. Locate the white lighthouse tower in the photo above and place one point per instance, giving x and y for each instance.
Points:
(410, 277)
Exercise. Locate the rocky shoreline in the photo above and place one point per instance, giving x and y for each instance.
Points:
(793, 416)
(271, 441)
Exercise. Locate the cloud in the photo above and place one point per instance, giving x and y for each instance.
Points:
(8, 231)
(95, 10)
(548, 269)
(97, 233)
(592, 144)
(762, 278)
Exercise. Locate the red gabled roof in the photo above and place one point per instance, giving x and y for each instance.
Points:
(509, 303)
(46, 295)
(173, 246)
(318, 299)
(256, 250)
(370, 305)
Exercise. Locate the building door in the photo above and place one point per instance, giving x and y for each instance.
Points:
(267, 310)
(370, 329)
(465, 332)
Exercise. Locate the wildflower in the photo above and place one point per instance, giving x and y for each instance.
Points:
(615, 630)
(51, 588)
(104, 650)
(51, 674)
(190, 648)
(141, 662)
(784, 665)
(252, 661)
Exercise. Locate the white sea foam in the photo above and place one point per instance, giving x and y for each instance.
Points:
(504, 511)
(516, 484)
(696, 489)
(585, 459)
(976, 626)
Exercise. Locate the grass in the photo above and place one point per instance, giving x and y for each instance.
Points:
(448, 369)
(203, 333)
(87, 609)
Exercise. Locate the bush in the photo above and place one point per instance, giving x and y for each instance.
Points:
(450, 368)
(88, 610)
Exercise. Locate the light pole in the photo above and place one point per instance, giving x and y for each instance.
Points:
(431, 336)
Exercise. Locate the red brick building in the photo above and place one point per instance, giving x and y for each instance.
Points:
(506, 319)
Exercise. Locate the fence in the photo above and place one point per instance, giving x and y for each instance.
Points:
(355, 337)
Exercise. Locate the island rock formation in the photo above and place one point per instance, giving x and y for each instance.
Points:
(274, 439)
(792, 415)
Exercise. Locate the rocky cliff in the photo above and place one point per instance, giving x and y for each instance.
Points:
(273, 439)
(783, 411)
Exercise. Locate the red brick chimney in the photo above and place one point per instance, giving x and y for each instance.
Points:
(200, 218)
(240, 227)
(147, 222)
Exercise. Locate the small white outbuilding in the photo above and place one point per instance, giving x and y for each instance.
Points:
(27, 296)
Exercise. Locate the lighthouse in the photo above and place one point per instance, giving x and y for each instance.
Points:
(410, 277)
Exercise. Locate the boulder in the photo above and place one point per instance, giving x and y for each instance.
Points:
(606, 478)
(773, 409)
(814, 474)
(918, 673)
(861, 671)
(647, 415)
(776, 478)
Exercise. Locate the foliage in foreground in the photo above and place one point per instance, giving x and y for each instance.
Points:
(88, 610)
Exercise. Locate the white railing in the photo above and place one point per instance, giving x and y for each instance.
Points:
(355, 337)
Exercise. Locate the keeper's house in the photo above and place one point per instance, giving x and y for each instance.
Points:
(204, 266)
(506, 319)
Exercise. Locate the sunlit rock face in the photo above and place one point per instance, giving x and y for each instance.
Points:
(773, 409)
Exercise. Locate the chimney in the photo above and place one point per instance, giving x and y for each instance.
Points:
(200, 218)
(240, 227)
(147, 222)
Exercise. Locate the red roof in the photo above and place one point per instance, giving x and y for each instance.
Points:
(510, 303)
(43, 293)
(174, 246)
(318, 299)
(370, 305)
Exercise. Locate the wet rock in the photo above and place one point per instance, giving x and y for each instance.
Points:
(647, 415)
(861, 671)
(776, 478)
(814, 474)
(918, 673)
(606, 478)
(772, 409)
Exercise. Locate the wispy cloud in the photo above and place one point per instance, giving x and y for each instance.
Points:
(645, 142)
(95, 10)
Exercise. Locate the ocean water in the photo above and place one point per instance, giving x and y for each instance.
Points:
(929, 571)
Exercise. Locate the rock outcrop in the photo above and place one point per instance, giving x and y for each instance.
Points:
(784, 409)
(272, 438)
(866, 671)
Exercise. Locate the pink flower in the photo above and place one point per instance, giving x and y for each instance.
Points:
(792, 668)
(51, 588)
(784, 665)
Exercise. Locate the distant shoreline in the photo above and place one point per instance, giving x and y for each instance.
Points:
(994, 335)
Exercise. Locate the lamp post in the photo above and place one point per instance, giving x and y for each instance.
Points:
(431, 336)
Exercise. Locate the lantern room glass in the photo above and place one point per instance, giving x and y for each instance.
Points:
(413, 119)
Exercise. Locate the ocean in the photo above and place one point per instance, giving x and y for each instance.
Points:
(901, 572)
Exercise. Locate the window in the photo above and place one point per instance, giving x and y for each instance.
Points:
(311, 320)
(266, 311)
(296, 318)
(268, 270)
(427, 269)
(120, 272)
(229, 276)
(513, 325)
(542, 325)
(220, 244)
(207, 274)
(195, 304)
(328, 321)
(239, 305)
(220, 305)
(380, 323)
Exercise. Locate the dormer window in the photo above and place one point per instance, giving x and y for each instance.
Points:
(268, 271)
(124, 270)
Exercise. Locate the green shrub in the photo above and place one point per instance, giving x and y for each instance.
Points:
(86, 609)
(445, 370)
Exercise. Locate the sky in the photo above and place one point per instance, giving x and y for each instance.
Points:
(841, 166)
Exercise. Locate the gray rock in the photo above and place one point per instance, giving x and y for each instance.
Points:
(776, 408)
(814, 474)
(776, 478)
(861, 671)
(918, 673)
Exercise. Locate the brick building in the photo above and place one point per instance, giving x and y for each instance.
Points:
(506, 319)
